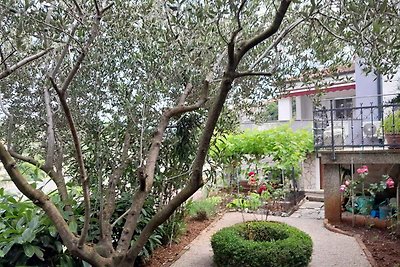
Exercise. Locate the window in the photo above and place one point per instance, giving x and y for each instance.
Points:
(344, 113)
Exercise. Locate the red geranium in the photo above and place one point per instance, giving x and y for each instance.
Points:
(362, 170)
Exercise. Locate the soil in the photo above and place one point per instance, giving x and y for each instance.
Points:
(166, 255)
(382, 243)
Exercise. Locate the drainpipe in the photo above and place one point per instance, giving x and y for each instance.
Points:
(380, 98)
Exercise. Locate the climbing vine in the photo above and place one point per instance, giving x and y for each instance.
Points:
(285, 147)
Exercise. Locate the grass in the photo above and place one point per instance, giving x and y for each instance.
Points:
(203, 209)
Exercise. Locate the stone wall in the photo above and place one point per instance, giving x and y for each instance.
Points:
(308, 179)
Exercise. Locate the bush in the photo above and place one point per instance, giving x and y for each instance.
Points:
(27, 237)
(204, 208)
(261, 243)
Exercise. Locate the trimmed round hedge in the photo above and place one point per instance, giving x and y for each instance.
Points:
(261, 244)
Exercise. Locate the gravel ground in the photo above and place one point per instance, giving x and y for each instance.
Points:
(330, 249)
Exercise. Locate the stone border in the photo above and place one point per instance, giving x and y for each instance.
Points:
(357, 237)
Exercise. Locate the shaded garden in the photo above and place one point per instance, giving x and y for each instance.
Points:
(116, 104)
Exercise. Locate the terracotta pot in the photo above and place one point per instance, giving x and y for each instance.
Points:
(393, 140)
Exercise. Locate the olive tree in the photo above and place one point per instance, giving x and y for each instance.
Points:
(138, 68)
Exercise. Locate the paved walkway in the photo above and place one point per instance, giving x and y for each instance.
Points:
(330, 249)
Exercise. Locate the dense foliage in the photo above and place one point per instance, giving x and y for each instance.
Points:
(284, 146)
(391, 123)
(261, 244)
(28, 237)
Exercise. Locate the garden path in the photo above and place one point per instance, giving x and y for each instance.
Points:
(330, 249)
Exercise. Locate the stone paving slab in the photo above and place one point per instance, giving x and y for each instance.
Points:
(312, 205)
(310, 210)
(330, 249)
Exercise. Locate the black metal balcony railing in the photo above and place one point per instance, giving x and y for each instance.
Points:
(355, 128)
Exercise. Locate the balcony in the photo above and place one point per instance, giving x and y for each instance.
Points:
(356, 127)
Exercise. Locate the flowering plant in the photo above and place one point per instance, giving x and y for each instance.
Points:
(363, 172)
(252, 179)
(386, 182)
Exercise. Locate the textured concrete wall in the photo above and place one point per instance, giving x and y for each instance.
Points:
(390, 156)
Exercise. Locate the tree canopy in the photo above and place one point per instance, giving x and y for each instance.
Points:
(96, 92)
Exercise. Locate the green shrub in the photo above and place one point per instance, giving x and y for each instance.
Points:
(261, 243)
(204, 208)
(391, 123)
(27, 237)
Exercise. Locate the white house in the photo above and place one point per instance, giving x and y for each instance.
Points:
(345, 110)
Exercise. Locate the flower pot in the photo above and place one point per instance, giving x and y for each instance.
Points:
(393, 140)
(384, 212)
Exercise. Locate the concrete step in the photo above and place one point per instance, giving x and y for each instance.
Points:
(315, 195)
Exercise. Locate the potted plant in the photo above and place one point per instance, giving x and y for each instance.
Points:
(391, 125)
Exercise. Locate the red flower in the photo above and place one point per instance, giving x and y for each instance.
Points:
(362, 170)
(389, 183)
(262, 188)
(252, 173)
(252, 181)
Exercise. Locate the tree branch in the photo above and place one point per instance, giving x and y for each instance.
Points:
(64, 51)
(40, 199)
(271, 30)
(50, 131)
(109, 206)
(284, 33)
(23, 62)
(231, 44)
(78, 8)
(196, 180)
(187, 91)
(79, 158)
(219, 30)
(146, 175)
(329, 31)
(251, 73)
(3, 59)
(98, 11)
(72, 73)
(10, 121)
(56, 176)
(119, 218)
(107, 8)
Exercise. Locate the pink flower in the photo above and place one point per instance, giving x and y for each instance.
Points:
(342, 188)
(389, 183)
(362, 170)
(347, 183)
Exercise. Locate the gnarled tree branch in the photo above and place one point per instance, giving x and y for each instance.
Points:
(109, 206)
(146, 176)
(40, 199)
(271, 30)
(23, 62)
(284, 33)
(196, 180)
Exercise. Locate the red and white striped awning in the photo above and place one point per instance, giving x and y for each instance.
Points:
(313, 91)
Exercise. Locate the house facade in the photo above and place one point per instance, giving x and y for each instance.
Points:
(346, 113)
